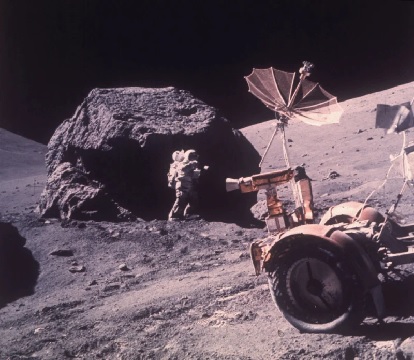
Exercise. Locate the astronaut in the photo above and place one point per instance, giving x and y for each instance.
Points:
(178, 157)
(183, 177)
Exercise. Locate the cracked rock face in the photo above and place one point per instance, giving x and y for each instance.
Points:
(71, 194)
(110, 160)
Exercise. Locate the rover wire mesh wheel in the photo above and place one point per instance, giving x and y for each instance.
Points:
(317, 291)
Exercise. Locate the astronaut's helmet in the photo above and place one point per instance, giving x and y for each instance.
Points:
(178, 155)
(190, 155)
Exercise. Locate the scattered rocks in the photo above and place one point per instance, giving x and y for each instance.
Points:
(38, 330)
(77, 268)
(332, 175)
(62, 252)
(112, 287)
(123, 267)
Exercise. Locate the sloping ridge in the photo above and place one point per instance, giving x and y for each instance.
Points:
(20, 157)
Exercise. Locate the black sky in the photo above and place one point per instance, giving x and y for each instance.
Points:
(52, 53)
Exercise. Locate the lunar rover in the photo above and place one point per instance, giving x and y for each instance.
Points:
(321, 276)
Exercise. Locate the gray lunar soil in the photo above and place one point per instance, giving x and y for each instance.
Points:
(187, 290)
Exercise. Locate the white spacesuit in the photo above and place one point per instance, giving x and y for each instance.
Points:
(178, 157)
(183, 177)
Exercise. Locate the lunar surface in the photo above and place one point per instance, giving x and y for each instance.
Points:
(187, 290)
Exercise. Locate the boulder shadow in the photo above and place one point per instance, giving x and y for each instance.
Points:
(19, 270)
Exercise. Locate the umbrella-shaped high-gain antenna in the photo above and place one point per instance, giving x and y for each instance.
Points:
(292, 99)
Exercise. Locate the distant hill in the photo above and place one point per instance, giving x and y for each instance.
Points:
(20, 157)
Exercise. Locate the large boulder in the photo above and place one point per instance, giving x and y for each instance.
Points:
(110, 160)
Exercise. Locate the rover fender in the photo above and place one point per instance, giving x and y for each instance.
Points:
(330, 237)
(348, 212)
